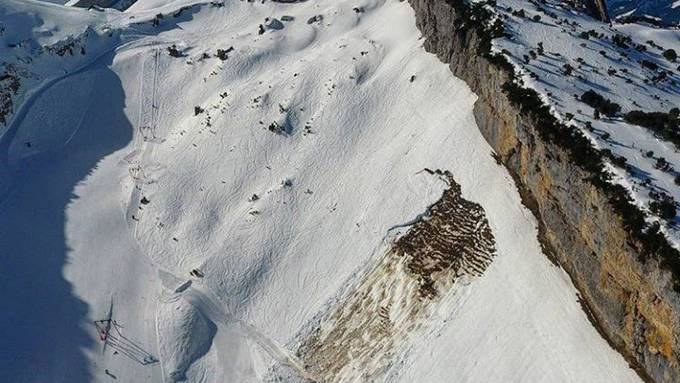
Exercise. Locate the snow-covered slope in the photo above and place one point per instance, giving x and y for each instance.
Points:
(563, 55)
(214, 184)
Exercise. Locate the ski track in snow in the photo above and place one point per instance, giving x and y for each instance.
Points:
(199, 299)
(211, 309)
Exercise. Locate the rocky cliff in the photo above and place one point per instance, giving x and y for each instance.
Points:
(629, 297)
(598, 9)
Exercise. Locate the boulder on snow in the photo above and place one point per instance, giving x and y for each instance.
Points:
(315, 19)
(274, 24)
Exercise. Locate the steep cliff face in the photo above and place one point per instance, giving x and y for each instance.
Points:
(598, 8)
(631, 301)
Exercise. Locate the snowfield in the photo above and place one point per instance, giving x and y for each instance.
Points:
(210, 184)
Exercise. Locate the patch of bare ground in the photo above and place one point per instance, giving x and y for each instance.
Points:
(365, 332)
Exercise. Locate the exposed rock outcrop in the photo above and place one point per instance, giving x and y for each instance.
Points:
(9, 86)
(632, 301)
(598, 9)
(117, 4)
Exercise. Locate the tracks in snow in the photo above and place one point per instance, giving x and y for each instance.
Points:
(202, 300)
(207, 304)
(147, 124)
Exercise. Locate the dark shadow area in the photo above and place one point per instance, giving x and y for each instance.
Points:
(44, 327)
(195, 352)
(20, 31)
(638, 173)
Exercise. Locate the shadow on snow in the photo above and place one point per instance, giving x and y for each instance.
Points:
(44, 327)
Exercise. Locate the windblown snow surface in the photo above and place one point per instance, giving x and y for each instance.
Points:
(242, 217)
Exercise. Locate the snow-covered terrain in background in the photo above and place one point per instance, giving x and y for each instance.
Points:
(665, 12)
(218, 207)
(614, 72)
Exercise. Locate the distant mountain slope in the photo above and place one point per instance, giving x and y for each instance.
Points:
(665, 12)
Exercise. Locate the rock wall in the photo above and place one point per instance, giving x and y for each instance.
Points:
(598, 9)
(631, 302)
